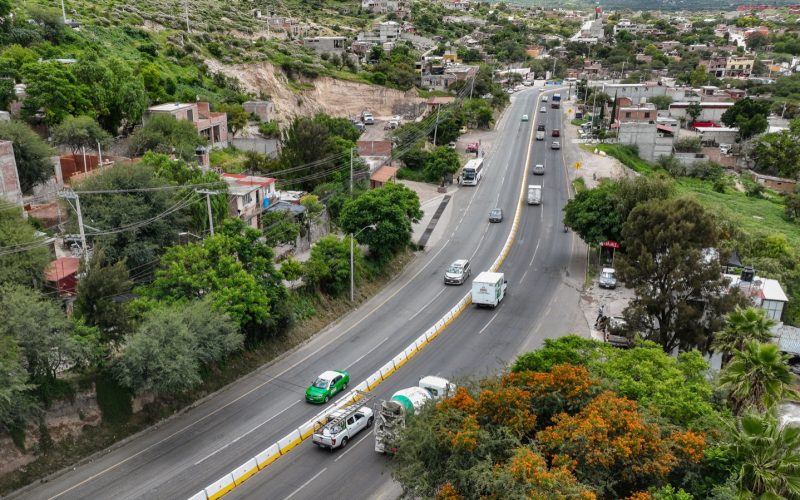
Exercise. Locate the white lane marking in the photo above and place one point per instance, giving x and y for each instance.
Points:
(426, 305)
(487, 324)
(483, 236)
(345, 452)
(523, 276)
(534, 253)
(246, 433)
(366, 353)
(295, 492)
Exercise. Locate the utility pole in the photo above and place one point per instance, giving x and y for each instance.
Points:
(73, 195)
(436, 127)
(351, 175)
(186, 12)
(208, 205)
(63, 12)
(472, 86)
(99, 155)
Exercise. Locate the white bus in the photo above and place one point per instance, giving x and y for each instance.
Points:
(473, 172)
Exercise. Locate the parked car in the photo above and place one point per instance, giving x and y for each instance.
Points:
(524, 118)
(457, 273)
(556, 145)
(556, 132)
(451, 145)
(473, 147)
(608, 278)
(496, 215)
(327, 385)
(367, 118)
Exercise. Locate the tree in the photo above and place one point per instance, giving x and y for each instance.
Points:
(478, 112)
(117, 208)
(15, 403)
(308, 151)
(792, 205)
(280, 228)
(99, 291)
(775, 154)
(49, 22)
(680, 293)
(392, 209)
(80, 132)
(767, 455)
(52, 87)
(699, 76)
(28, 254)
(592, 214)
(234, 270)
(742, 327)
(237, 117)
(167, 351)
(328, 268)
(48, 340)
(757, 377)
(31, 154)
(162, 133)
(441, 162)
(749, 115)
(571, 350)
(694, 110)
(449, 123)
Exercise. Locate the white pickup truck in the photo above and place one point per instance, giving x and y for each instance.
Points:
(342, 426)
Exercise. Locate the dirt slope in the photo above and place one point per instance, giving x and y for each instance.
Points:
(331, 96)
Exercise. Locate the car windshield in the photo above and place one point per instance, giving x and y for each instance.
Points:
(496, 212)
(455, 269)
(607, 275)
(321, 383)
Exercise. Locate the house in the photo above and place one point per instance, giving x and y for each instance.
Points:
(709, 111)
(628, 112)
(714, 136)
(62, 275)
(736, 66)
(375, 153)
(249, 196)
(652, 140)
(765, 293)
(211, 125)
(381, 6)
(462, 5)
(435, 102)
(326, 44)
(775, 183)
(264, 110)
(10, 189)
(383, 175)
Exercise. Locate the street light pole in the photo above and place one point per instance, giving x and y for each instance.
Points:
(352, 260)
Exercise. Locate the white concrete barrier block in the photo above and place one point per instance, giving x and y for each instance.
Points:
(268, 456)
(219, 487)
(410, 350)
(244, 471)
(399, 359)
(361, 387)
(373, 379)
(289, 441)
(387, 369)
(307, 429)
(200, 495)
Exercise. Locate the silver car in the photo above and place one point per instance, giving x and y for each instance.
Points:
(608, 278)
(457, 273)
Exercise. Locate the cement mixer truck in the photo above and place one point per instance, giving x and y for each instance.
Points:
(392, 414)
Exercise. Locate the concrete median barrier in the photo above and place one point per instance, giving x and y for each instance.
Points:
(220, 487)
(244, 471)
(266, 457)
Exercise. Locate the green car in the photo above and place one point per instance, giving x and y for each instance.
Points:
(326, 386)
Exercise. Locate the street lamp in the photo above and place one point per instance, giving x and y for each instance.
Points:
(352, 265)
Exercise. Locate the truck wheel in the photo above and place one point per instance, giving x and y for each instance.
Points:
(344, 442)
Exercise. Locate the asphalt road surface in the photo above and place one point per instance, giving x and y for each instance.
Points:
(544, 270)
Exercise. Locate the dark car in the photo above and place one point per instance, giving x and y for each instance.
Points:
(496, 215)
(556, 132)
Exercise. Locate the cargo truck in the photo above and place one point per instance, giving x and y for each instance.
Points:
(534, 194)
(556, 102)
(488, 289)
(392, 414)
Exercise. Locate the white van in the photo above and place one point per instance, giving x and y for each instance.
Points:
(534, 194)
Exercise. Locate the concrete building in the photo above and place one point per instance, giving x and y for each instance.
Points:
(249, 196)
(211, 125)
(779, 184)
(652, 140)
(381, 6)
(629, 112)
(710, 111)
(326, 44)
(264, 110)
(10, 189)
(765, 293)
(714, 136)
(735, 66)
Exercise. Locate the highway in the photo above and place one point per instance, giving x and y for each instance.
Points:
(544, 270)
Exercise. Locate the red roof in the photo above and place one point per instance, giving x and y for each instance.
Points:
(705, 124)
(665, 128)
(250, 180)
(384, 174)
(61, 268)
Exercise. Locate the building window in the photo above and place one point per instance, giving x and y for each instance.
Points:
(247, 199)
(627, 114)
(190, 115)
(647, 114)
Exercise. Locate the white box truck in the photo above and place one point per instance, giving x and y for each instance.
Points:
(488, 289)
(392, 414)
(534, 194)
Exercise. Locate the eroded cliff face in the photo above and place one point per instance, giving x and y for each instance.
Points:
(334, 97)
